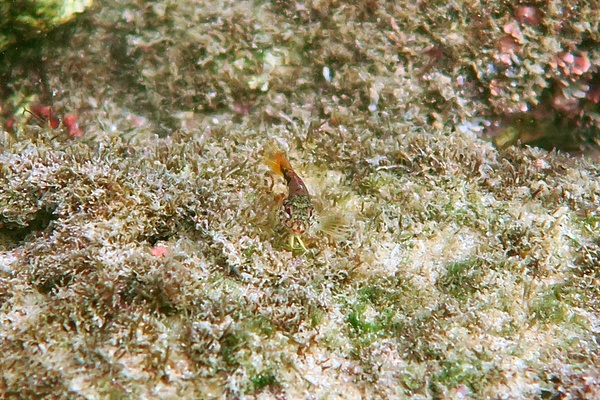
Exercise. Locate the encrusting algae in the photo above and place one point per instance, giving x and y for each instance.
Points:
(139, 260)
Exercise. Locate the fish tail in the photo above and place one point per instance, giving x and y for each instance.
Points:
(277, 161)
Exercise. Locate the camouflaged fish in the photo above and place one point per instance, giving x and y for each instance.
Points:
(297, 212)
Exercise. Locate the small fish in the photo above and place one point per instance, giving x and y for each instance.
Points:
(297, 212)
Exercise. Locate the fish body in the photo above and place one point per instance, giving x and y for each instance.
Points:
(297, 212)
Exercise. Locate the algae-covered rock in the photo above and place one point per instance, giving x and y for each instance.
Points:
(23, 20)
(145, 258)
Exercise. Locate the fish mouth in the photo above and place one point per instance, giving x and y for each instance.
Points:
(297, 229)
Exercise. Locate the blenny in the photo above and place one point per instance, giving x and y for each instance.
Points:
(297, 212)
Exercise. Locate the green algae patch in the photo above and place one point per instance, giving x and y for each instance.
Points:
(26, 20)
